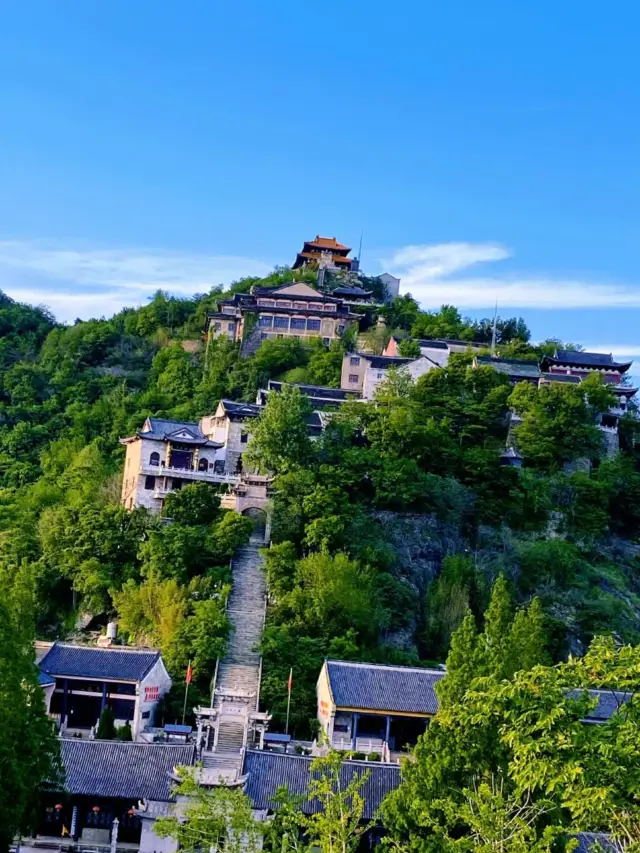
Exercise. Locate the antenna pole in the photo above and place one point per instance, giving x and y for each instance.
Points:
(493, 332)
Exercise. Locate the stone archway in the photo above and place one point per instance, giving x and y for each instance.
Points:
(259, 520)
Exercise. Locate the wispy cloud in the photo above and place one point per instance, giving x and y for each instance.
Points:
(429, 273)
(90, 282)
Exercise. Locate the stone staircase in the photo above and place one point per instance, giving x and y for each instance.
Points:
(239, 671)
(237, 687)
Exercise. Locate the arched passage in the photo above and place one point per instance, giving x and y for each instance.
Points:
(259, 520)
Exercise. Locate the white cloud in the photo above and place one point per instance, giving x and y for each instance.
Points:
(427, 273)
(90, 282)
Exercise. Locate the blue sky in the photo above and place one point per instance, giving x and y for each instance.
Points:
(486, 150)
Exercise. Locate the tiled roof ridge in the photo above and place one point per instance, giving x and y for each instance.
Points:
(67, 644)
(127, 744)
(393, 666)
(309, 758)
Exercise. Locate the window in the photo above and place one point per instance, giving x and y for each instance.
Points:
(244, 438)
(326, 341)
(328, 307)
(231, 327)
(154, 459)
(268, 303)
(150, 483)
(216, 327)
(265, 321)
(286, 303)
(298, 323)
(301, 305)
(354, 360)
(203, 464)
(353, 378)
(313, 325)
(340, 330)
(281, 322)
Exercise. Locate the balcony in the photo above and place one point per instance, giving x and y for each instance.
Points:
(208, 476)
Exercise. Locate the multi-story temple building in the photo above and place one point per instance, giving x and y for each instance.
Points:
(293, 311)
(324, 251)
(573, 366)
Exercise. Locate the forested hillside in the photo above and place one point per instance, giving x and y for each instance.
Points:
(385, 530)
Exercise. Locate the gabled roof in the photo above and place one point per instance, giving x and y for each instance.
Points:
(314, 391)
(574, 358)
(383, 362)
(239, 411)
(268, 771)
(185, 432)
(128, 771)
(351, 291)
(66, 659)
(430, 343)
(327, 243)
(297, 290)
(377, 687)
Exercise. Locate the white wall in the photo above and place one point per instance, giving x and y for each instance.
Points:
(148, 698)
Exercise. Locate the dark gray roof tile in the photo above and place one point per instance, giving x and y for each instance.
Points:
(267, 771)
(376, 687)
(91, 662)
(131, 771)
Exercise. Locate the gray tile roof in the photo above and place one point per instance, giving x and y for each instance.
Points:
(241, 410)
(44, 678)
(376, 687)
(511, 366)
(131, 771)
(609, 701)
(314, 391)
(91, 662)
(561, 377)
(267, 771)
(383, 362)
(588, 840)
(428, 343)
(161, 429)
(588, 359)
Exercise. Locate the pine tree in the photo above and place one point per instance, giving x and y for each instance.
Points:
(464, 662)
(106, 727)
(497, 628)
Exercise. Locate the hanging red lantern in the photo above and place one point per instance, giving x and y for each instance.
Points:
(95, 809)
(58, 807)
(131, 812)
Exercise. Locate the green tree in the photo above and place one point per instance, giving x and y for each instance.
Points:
(559, 421)
(218, 818)
(280, 439)
(106, 725)
(197, 503)
(29, 750)
(526, 732)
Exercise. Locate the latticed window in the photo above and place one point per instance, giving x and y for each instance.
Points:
(298, 323)
(266, 321)
(281, 322)
(313, 325)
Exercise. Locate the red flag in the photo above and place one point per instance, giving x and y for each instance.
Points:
(189, 674)
(290, 681)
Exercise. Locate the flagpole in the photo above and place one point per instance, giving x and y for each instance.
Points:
(289, 684)
(186, 692)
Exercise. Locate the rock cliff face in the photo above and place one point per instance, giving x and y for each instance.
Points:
(605, 596)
